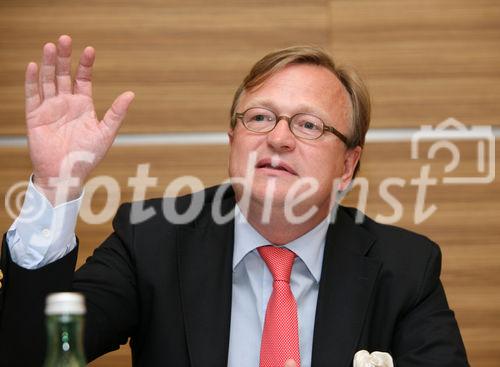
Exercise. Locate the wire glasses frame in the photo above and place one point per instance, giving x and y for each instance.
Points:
(302, 125)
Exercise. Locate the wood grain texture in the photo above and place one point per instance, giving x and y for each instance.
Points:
(425, 60)
(184, 60)
(465, 223)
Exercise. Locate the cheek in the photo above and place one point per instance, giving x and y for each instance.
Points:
(240, 150)
(327, 166)
(234, 161)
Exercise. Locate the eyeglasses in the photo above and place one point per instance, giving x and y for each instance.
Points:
(302, 125)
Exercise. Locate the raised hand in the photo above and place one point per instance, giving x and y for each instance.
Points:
(61, 119)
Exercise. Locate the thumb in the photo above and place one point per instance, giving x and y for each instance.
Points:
(290, 363)
(116, 113)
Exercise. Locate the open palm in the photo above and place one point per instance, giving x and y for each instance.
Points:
(60, 116)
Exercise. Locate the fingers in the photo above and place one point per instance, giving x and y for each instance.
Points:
(31, 91)
(55, 66)
(63, 65)
(54, 75)
(116, 113)
(48, 71)
(83, 79)
(290, 363)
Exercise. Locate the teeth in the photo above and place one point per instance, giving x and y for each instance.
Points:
(276, 167)
(274, 164)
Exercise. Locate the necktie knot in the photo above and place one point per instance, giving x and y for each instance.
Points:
(279, 261)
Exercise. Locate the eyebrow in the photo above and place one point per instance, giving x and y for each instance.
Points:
(299, 108)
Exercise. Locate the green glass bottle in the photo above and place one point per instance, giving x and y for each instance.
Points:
(65, 314)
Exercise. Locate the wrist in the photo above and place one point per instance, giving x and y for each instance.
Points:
(58, 191)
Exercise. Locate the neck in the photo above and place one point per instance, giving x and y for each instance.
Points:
(277, 228)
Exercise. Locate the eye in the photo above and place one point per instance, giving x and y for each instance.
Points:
(308, 123)
(260, 118)
(259, 115)
(307, 126)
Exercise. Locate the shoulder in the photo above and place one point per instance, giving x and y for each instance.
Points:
(410, 263)
(389, 237)
(401, 251)
(171, 212)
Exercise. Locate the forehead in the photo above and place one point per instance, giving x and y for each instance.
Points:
(301, 88)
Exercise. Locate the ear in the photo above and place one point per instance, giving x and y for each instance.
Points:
(351, 159)
(230, 135)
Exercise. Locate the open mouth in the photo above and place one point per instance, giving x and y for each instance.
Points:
(276, 166)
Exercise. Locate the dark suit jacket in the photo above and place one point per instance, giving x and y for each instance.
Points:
(168, 288)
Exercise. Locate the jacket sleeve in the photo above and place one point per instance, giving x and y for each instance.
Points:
(22, 302)
(108, 280)
(428, 334)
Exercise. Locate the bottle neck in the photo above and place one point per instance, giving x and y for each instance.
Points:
(65, 336)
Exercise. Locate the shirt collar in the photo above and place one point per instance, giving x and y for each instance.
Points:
(309, 247)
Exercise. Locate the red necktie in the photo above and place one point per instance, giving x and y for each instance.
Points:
(280, 337)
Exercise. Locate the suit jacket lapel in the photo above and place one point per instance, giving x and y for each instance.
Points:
(205, 271)
(347, 280)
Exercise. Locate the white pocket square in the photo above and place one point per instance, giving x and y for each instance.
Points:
(375, 359)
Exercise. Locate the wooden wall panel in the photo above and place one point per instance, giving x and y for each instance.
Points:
(183, 59)
(465, 223)
(425, 60)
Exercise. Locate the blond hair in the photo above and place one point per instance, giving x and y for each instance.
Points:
(352, 82)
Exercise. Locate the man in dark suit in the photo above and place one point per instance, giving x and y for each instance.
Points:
(268, 272)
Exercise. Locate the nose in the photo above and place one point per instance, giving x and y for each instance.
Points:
(281, 138)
